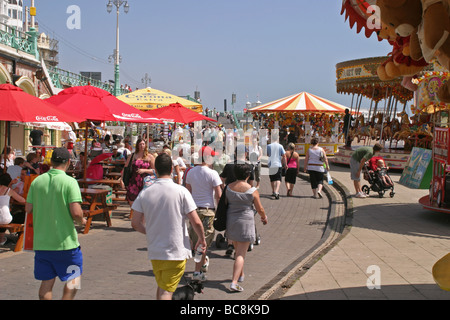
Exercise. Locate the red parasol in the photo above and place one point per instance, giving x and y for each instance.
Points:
(177, 113)
(98, 105)
(17, 105)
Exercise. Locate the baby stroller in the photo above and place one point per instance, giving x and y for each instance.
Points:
(378, 177)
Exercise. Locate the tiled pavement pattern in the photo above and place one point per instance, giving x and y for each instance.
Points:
(116, 264)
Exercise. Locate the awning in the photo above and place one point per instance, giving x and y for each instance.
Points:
(301, 102)
(150, 99)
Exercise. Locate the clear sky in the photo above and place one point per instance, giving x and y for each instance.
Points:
(263, 49)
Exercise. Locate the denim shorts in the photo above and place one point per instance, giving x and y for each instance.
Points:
(66, 264)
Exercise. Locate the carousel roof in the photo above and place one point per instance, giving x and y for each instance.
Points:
(300, 102)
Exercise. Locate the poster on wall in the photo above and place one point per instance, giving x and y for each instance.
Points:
(418, 171)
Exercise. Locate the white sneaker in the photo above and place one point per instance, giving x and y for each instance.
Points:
(199, 276)
(205, 266)
(360, 195)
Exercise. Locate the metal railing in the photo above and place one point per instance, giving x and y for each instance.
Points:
(16, 39)
(62, 78)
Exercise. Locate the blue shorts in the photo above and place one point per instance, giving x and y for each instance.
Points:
(66, 265)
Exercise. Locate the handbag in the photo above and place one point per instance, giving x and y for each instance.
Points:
(322, 156)
(220, 219)
(127, 172)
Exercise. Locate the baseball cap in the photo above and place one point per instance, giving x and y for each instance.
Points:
(114, 148)
(60, 155)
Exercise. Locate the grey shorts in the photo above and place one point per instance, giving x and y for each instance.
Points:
(354, 168)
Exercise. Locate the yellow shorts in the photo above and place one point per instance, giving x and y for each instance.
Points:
(168, 273)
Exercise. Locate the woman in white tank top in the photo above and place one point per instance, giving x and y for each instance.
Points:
(5, 196)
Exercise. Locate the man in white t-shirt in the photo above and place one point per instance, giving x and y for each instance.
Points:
(165, 226)
(277, 160)
(204, 184)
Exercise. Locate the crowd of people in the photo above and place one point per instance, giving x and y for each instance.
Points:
(191, 178)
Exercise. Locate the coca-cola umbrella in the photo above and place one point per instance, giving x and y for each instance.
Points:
(177, 113)
(95, 104)
(17, 105)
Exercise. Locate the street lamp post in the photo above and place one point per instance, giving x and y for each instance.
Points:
(116, 56)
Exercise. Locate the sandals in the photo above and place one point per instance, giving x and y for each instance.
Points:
(236, 287)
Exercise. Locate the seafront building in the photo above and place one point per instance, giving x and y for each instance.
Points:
(29, 60)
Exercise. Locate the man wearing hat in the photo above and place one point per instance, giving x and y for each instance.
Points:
(55, 200)
(204, 184)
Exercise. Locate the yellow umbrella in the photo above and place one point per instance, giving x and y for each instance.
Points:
(150, 99)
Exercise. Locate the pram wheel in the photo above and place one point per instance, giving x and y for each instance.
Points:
(220, 241)
(258, 240)
(381, 193)
(391, 194)
(365, 189)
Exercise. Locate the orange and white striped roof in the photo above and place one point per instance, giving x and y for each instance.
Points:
(301, 102)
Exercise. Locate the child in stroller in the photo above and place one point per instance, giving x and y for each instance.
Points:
(376, 173)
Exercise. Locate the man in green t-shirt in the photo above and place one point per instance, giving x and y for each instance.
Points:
(357, 160)
(55, 200)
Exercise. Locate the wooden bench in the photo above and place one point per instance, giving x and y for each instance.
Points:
(15, 228)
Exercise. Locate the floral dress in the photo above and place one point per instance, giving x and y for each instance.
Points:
(137, 180)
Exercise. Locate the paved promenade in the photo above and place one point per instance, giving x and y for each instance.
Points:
(392, 241)
(311, 249)
(116, 264)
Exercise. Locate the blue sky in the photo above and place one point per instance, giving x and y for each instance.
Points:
(256, 48)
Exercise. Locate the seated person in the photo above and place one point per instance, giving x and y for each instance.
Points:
(377, 165)
(18, 183)
(32, 163)
(14, 171)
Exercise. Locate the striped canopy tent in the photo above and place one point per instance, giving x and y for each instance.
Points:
(301, 102)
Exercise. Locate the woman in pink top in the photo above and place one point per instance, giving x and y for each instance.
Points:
(293, 160)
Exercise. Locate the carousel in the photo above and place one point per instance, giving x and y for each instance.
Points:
(303, 116)
(388, 82)
(387, 120)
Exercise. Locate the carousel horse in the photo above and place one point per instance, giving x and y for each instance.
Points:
(405, 128)
(362, 131)
(377, 121)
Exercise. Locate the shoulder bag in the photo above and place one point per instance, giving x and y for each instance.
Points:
(220, 219)
(322, 156)
(127, 172)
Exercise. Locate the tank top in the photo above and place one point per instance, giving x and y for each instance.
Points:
(292, 162)
(5, 214)
(314, 162)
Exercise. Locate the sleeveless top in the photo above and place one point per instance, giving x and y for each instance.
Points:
(314, 162)
(5, 214)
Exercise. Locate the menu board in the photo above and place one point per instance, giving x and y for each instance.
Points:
(418, 171)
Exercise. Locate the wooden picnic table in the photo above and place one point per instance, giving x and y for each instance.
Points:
(94, 203)
(115, 184)
(114, 175)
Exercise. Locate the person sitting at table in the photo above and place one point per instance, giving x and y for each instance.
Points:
(116, 155)
(10, 157)
(5, 196)
(32, 163)
(18, 183)
(14, 171)
(117, 159)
